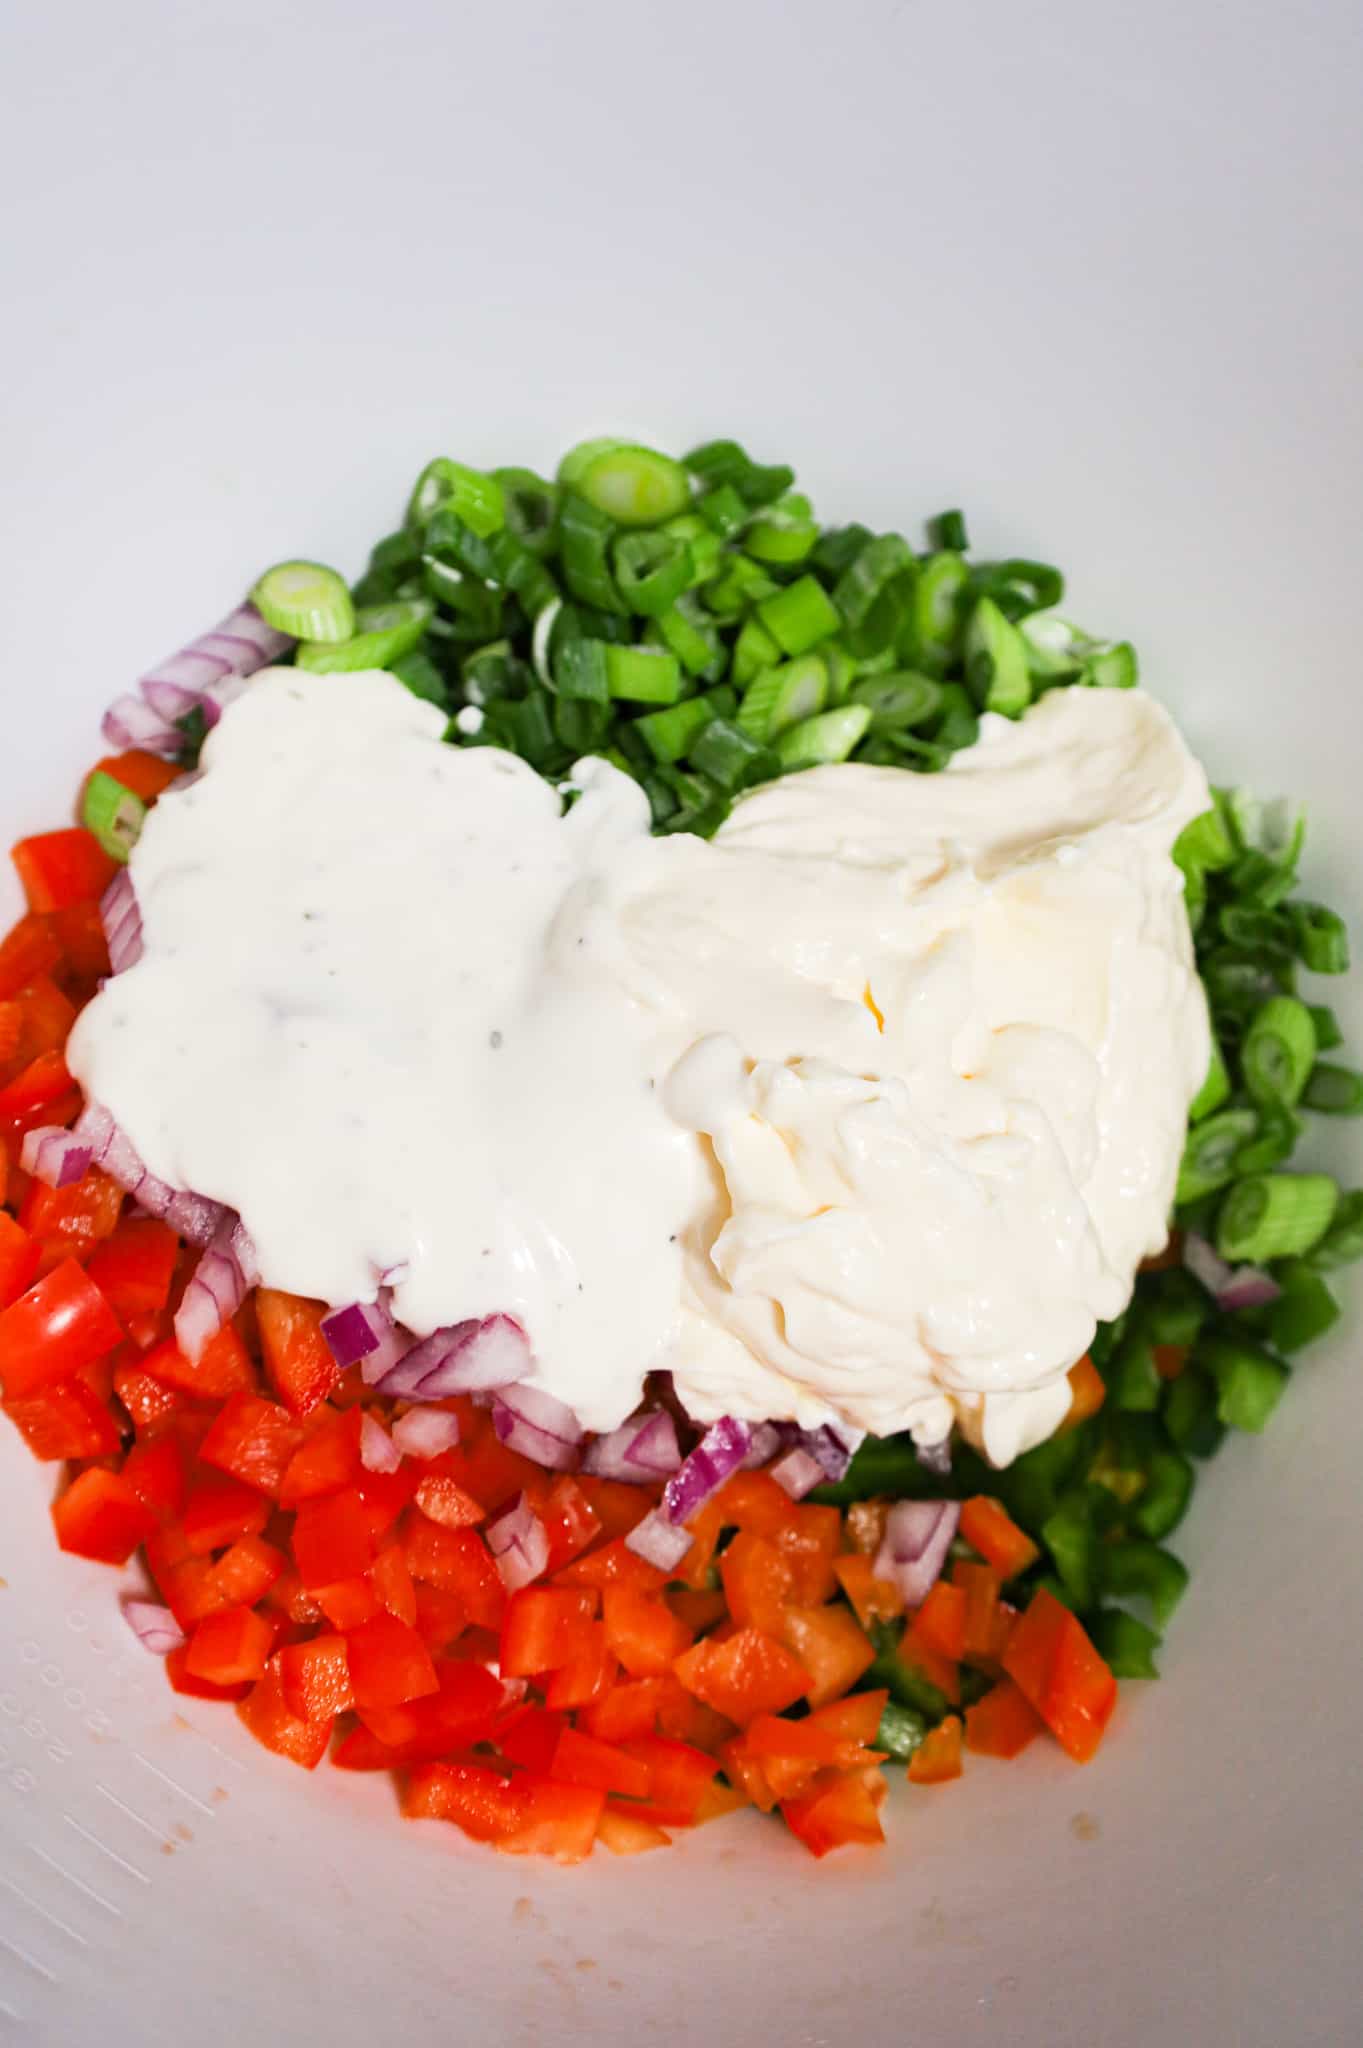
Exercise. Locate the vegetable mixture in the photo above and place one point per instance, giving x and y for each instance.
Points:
(552, 1642)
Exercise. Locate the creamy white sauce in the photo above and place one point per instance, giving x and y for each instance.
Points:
(411, 1020)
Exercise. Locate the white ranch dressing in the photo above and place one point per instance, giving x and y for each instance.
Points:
(411, 1019)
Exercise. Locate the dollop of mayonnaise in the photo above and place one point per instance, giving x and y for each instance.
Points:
(866, 1110)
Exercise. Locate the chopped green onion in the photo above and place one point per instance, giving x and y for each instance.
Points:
(531, 507)
(305, 599)
(1304, 1310)
(474, 498)
(1189, 1412)
(113, 814)
(723, 509)
(1274, 829)
(1343, 1241)
(729, 756)
(1167, 1492)
(782, 696)
(1322, 941)
(1276, 1140)
(1249, 1382)
(754, 650)
(579, 670)
(383, 634)
(830, 736)
(692, 637)
(724, 462)
(996, 661)
(585, 537)
(651, 571)
(1210, 1152)
(1215, 1088)
(874, 594)
(897, 700)
(784, 534)
(1126, 1646)
(837, 548)
(492, 672)
(948, 530)
(670, 733)
(1205, 843)
(579, 725)
(1019, 587)
(939, 607)
(707, 548)
(1275, 1216)
(799, 616)
(531, 724)
(1279, 1051)
(1334, 1090)
(419, 674)
(1113, 668)
(958, 725)
(1328, 1033)
(739, 584)
(643, 675)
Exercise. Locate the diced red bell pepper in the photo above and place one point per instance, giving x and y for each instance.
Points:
(759, 1582)
(553, 1820)
(938, 1670)
(42, 1019)
(445, 1501)
(678, 1777)
(583, 1760)
(642, 1631)
(30, 949)
(389, 1663)
(544, 1628)
(1002, 1723)
(100, 1516)
(617, 1506)
(218, 1511)
(625, 1712)
(332, 1539)
(384, 1495)
(393, 1583)
(84, 962)
(939, 1625)
(348, 1602)
(61, 868)
(570, 1522)
(587, 1674)
(988, 1527)
(457, 1561)
(155, 1470)
(476, 1798)
(18, 1262)
(188, 1584)
(65, 1421)
(872, 1599)
(326, 1461)
(529, 1736)
(810, 1542)
(266, 1713)
(697, 1611)
(246, 1572)
(134, 1266)
(837, 1810)
(230, 1647)
(297, 1357)
(979, 1583)
(43, 1093)
(1088, 1391)
(624, 1834)
(1052, 1661)
(937, 1758)
(315, 1678)
(146, 775)
(613, 1564)
(71, 1222)
(183, 1680)
(48, 1334)
(289, 1595)
(224, 1367)
(253, 1439)
(832, 1646)
(441, 1618)
(463, 1711)
(747, 1675)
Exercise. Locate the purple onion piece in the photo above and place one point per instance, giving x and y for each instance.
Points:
(654, 1447)
(798, 1473)
(378, 1450)
(833, 1446)
(426, 1432)
(918, 1535)
(154, 1626)
(658, 1542)
(221, 1281)
(55, 1156)
(354, 1332)
(519, 1544)
(767, 1439)
(487, 1354)
(1231, 1287)
(129, 722)
(538, 1426)
(719, 1453)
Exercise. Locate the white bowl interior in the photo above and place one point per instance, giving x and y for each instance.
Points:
(1084, 273)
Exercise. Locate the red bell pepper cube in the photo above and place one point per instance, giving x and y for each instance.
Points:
(253, 1439)
(61, 868)
(156, 1472)
(65, 1421)
(584, 1760)
(246, 1572)
(332, 1539)
(183, 1680)
(456, 1561)
(553, 1820)
(134, 1267)
(937, 1758)
(297, 1357)
(315, 1678)
(476, 1798)
(230, 1647)
(747, 1675)
(48, 1334)
(30, 949)
(1002, 1723)
(389, 1663)
(1051, 1660)
(837, 1810)
(100, 1516)
(326, 1461)
(642, 1631)
(18, 1260)
(544, 1628)
(224, 1367)
(218, 1511)
(266, 1713)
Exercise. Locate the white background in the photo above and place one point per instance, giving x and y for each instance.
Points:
(1090, 270)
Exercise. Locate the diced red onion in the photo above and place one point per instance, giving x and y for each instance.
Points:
(356, 1331)
(537, 1425)
(426, 1432)
(767, 1439)
(225, 1274)
(519, 1543)
(719, 1453)
(491, 1353)
(122, 922)
(658, 1542)
(643, 1449)
(55, 1156)
(655, 1445)
(154, 1626)
(378, 1451)
(607, 1457)
(798, 1472)
(833, 1446)
(170, 697)
(194, 1217)
(234, 649)
(918, 1535)
(1231, 1287)
(130, 722)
